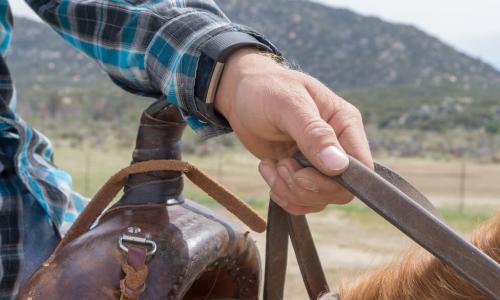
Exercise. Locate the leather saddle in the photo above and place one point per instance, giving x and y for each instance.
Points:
(154, 244)
(190, 251)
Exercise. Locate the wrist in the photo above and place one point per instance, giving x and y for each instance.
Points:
(241, 64)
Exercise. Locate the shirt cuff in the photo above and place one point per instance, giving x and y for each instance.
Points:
(214, 54)
(174, 69)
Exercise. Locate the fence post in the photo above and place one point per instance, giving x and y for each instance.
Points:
(463, 178)
(220, 157)
(86, 175)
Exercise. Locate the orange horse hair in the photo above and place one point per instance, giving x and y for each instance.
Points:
(422, 276)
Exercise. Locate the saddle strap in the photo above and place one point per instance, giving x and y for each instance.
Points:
(280, 226)
(276, 252)
(307, 257)
(111, 188)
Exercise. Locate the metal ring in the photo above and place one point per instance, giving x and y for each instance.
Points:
(137, 240)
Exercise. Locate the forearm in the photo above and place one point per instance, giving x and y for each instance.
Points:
(152, 48)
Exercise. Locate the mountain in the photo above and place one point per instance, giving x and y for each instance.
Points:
(347, 50)
(343, 49)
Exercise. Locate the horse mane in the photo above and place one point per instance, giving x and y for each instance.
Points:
(419, 275)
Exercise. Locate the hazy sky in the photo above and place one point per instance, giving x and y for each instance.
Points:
(471, 26)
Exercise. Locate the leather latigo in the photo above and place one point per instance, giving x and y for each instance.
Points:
(200, 255)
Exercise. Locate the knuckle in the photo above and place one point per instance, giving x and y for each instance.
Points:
(317, 129)
(352, 119)
(295, 211)
(296, 74)
(298, 201)
(344, 198)
(310, 198)
(339, 105)
(288, 100)
(287, 162)
(280, 189)
(318, 208)
(353, 112)
(357, 114)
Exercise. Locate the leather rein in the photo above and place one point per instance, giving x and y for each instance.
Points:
(397, 201)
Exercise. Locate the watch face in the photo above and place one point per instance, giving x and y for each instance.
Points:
(203, 76)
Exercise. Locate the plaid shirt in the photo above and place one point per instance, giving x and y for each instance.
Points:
(148, 47)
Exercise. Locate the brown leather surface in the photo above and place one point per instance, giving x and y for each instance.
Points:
(280, 226)
(276, 252)
(198, 253)
(106, 193)
(136, 273)
(158, 137)
(307, 257)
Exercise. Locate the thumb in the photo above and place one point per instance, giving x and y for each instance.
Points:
(318, 142)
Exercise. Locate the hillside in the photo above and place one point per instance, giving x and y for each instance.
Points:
(38, 54)
(348, 50)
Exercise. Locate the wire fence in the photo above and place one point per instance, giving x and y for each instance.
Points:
(459, 184)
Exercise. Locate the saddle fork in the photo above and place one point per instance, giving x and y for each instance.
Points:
(397, 201)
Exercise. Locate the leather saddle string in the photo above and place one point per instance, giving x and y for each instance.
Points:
(280, 226)
(111, 188)
(276, 252)
(307, 257)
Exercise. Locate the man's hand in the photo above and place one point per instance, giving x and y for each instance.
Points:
(276, 111)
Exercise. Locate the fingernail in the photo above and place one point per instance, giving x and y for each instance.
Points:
(333, 159)
(307, 184)
(268, 174)
(283, 171)
(279, 201)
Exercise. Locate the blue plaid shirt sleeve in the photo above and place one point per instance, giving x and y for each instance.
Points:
(148, 47)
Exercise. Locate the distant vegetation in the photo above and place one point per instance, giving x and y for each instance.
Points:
(419, 96)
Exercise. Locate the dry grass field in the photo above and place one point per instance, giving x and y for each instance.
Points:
(350, 239)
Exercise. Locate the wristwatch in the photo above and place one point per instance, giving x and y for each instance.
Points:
(214, 54)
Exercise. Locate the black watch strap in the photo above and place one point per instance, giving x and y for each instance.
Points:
(210, 66)
(222, 45)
